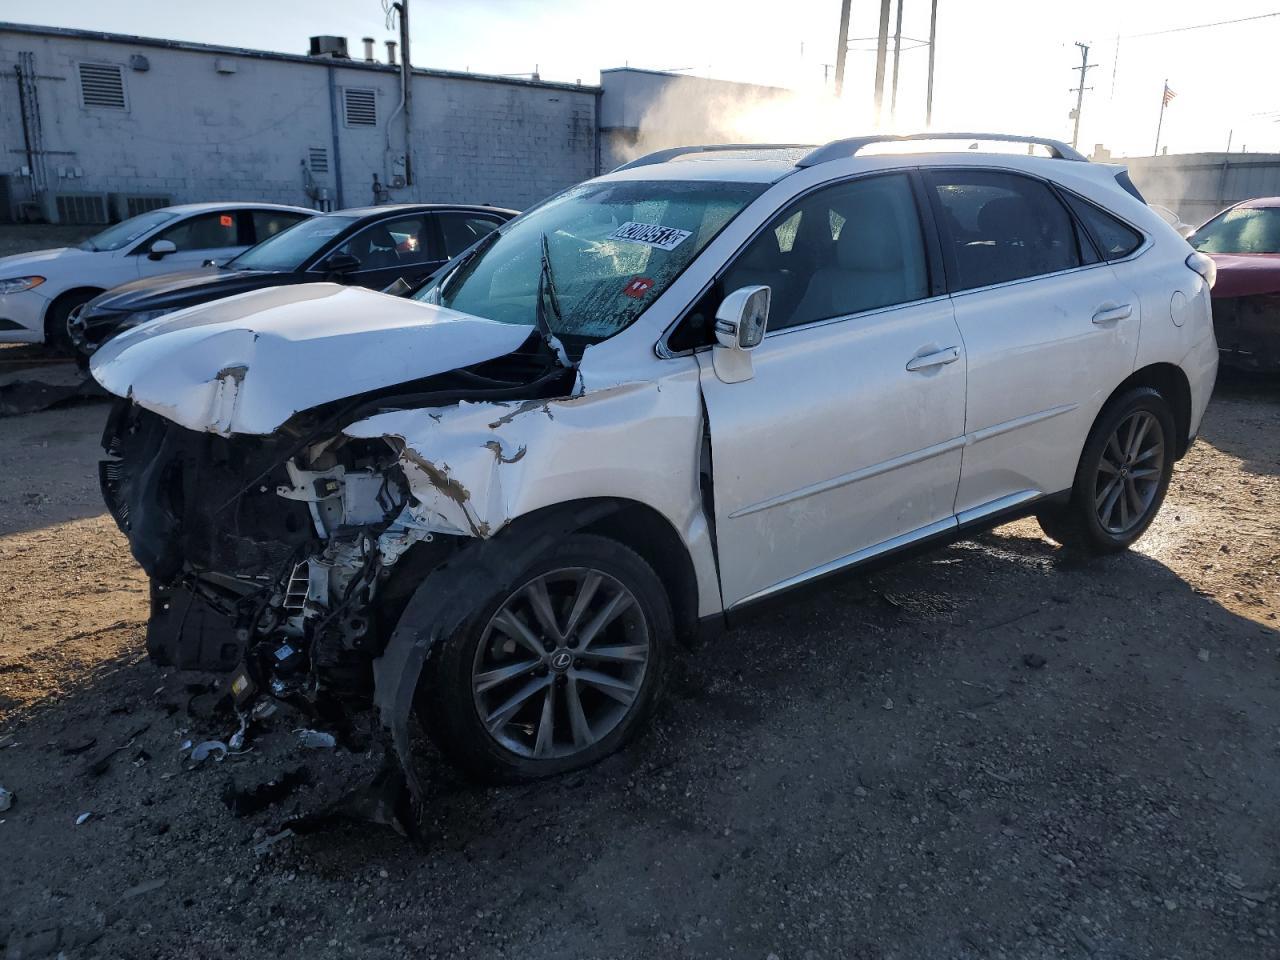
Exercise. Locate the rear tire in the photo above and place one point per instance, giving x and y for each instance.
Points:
(1122, 477)
(585, 693)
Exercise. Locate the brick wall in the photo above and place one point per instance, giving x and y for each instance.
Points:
(195, 132)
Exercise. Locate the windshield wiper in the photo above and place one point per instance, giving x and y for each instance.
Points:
(547, 294)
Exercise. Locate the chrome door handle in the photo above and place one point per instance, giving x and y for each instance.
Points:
(1110, 312)
(939, 359)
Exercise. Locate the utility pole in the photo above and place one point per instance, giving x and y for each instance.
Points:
(842, 47)
(882, 52)
(1084, 68)
(897, 55)
(407, 79)
(933, 35)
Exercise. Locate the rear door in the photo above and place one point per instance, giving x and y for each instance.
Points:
(848, 435)
(1048, 328)
(459, 229)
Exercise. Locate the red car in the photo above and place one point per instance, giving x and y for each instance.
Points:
(1244, 241)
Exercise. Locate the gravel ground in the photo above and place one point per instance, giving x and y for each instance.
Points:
(995, 750)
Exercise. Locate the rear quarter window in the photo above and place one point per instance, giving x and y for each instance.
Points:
(1113, 237)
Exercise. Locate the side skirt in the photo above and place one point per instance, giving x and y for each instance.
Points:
(885, 554)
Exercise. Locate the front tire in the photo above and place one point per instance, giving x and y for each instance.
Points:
(57, 339)
(555, 671)
(1122, 478)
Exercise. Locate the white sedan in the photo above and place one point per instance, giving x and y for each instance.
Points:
(39, 290)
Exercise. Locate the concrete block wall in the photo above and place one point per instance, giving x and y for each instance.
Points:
(194, 132)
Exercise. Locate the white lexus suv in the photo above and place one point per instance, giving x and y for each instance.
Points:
(637, 410)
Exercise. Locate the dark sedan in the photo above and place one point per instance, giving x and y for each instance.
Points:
(366, 246)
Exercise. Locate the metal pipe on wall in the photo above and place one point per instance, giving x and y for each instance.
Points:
(333, 127)
(882, 52)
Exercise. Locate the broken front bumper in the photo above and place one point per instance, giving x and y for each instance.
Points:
(1248, 331)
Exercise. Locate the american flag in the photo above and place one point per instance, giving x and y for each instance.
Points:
(1168, 94)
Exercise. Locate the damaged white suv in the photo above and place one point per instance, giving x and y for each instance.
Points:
(660, 397)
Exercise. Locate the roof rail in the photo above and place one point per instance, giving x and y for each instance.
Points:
(662, 156)
(842, 149)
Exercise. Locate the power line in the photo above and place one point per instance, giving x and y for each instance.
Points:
(1203, 26)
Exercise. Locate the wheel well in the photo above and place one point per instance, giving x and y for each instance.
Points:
(65, 295)
(652, 536)
(1173, 385)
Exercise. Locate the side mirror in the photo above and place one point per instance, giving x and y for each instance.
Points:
(1185, 230)
(740, 326)
(340, 263)
(161, 249)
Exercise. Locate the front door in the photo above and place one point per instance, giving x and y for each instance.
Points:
(218, 235)
(1049, 329)
(846, 440)
(397, 248)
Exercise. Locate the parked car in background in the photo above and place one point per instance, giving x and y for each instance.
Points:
(1172, 219)
(654, 401)
(39, 290)
(1244, 242)
(365, 247)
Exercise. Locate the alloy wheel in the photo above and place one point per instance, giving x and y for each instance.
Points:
(561, 663)
(1129, 472)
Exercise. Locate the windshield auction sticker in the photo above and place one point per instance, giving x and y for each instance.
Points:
(651, 235)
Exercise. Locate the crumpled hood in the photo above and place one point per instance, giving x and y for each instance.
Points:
(20, 263)
(246, 364)
(1246, 274)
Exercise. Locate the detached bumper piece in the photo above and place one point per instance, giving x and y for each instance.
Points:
(1248, 331)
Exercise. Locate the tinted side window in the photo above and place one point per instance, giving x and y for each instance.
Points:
(844, 249)
(404, 241)
(207, 231)
(1113, 238)
(999, 227)
(267, 223)
(461, 230)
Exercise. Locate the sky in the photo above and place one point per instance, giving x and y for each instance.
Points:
(1001, 64)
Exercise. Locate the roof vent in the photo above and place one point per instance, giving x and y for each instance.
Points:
(335, 47)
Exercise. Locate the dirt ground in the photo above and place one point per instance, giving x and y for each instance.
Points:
(994, 750)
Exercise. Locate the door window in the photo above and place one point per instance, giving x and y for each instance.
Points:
(404, 241)
(267, 223)
(207, 231)
(999, 227)
(841, 250)
(461, 230)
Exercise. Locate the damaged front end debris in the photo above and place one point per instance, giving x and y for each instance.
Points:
(289, 558)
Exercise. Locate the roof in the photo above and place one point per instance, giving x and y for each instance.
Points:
(732, 170)
(1259, 203)
(240, 204)
(338, 63)
(391, 208)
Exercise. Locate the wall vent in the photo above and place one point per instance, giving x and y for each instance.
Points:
(318, 159)
(82, 207)
(360, 106)
(126, 205)
(102, 85)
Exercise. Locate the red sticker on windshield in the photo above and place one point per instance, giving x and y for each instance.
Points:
(637, 287)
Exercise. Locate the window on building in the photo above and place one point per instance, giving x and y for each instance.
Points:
(1000, 227)
(102, 86)
(461, 230)
(360, 106)
(1113, 238)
